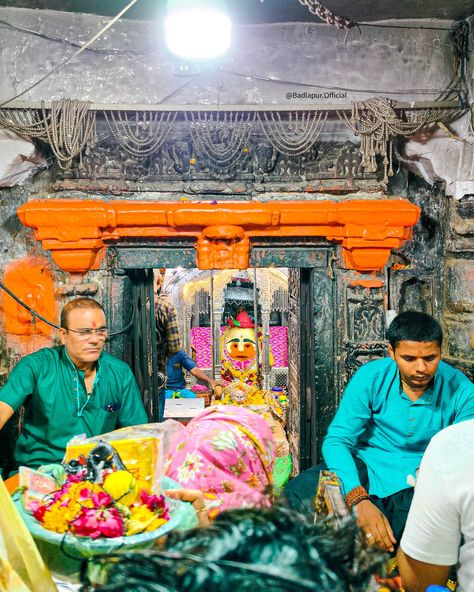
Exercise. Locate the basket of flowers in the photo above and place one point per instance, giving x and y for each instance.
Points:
(99, 511)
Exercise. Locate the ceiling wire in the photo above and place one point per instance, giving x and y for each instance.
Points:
(417, 28)
(419, 91)
(74, 43)
(74, 55)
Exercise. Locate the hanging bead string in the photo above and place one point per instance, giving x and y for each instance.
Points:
(25, 122)
(215, 128)
(206, 127)
(296, 136)
(318, 9)
(376, 122)
(434, 115)
(72, 128)
(145, 135)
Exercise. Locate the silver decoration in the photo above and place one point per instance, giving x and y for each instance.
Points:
(143, 134)
(297, 134)
(220, 137)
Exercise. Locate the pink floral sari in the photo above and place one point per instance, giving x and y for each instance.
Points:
(226, 452)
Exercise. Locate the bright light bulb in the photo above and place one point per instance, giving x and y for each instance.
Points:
(198, 33)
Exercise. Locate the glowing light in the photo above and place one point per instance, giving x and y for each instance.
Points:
(197, 29)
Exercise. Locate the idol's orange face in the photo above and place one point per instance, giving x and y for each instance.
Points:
(240, 344)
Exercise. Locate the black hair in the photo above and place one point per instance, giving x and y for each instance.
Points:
(246, 550)
(412, 325)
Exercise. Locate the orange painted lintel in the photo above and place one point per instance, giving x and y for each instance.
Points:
(77, 231)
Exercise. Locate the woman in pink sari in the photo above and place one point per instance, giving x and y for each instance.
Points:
(227, 452)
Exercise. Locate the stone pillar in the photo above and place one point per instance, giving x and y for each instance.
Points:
(266, 345)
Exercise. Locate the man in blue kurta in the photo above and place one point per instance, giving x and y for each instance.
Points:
(176, 380)
(73, 389)
(389, 412)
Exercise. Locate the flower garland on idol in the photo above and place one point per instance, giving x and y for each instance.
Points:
(100, 501)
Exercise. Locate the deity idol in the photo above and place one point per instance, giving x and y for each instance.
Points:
(239, 351)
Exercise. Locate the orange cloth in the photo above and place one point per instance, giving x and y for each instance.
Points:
(12, 483)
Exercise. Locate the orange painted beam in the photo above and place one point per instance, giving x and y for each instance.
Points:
(77, 231)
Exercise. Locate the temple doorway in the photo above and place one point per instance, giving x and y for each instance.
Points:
(295, 349)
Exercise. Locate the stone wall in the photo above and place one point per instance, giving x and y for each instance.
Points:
(459, 293)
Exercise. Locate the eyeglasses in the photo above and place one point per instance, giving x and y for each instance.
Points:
(85, 333)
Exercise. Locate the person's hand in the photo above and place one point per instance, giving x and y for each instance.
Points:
(196, 497)
(374, 525)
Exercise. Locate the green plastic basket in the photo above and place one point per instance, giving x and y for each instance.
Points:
(64, 553)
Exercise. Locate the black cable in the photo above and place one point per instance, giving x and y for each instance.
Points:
(74, 43)
(380, 26)
(326, 87)
(126, 328)
(32, 312)
(36, 315)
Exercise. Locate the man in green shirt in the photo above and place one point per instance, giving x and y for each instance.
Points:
(73, 389)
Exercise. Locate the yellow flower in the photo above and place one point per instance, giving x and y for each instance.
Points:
(55, 518)
(122, 486)
(142, 519)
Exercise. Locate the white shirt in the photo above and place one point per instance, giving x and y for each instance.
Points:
(443, 505)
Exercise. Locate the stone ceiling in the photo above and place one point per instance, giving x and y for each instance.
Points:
(270, 11)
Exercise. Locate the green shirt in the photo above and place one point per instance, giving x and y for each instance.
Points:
(57, 407)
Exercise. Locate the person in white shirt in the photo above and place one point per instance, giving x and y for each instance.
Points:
(440, 528)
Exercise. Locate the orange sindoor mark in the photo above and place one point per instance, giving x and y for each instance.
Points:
(77, 231)
(31, 280)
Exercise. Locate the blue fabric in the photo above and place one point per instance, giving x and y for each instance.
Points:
(379, 424)
(181, 394)
(175, 379)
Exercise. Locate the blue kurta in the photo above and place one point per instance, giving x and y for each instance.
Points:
(175, 379)
(379, 424)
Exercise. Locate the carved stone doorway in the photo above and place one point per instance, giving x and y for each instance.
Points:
(311, 296)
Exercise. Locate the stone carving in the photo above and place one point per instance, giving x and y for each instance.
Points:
(265, 158)
(349, 161)
(181, 153)
(223, 247)
(359, 354)
(368, 322)
(294, 375)
(178, 158)
(365, 314)
(415, 294)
